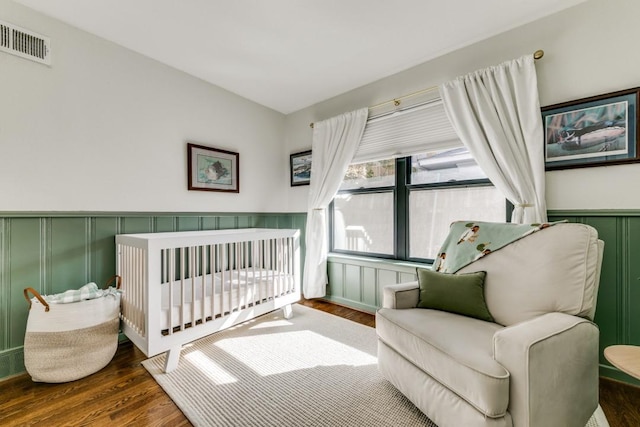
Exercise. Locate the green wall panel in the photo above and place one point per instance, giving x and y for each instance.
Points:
(26, 270)
(165, 224)
(209, 223)
(270, 222)
(103, 249)
(53, 252)
(225, 222)
(352, 275)
(136, 224)
(189, 223)
(631, 281)
(336, 274)
(369, 288)
(5, 288)
(69, 246)
(407, 277)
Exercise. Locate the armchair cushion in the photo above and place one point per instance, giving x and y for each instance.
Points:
(456, 351)
(456, 293)
(555, 270)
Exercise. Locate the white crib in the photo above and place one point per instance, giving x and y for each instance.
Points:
(179, 287)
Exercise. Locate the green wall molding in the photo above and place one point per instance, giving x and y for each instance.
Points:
(11, 362)
(594, 213)
(92, 214)
(56, 251)
(358, 283)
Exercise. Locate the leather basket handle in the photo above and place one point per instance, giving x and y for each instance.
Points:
(113, 278)
(37, 295)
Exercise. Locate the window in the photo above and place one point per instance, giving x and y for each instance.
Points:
(366, 188)
(402, 208)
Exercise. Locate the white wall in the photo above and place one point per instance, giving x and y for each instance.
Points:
(590, 49)
(105, 129)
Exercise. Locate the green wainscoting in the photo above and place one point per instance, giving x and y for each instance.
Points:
(618, 309)
(358, 282)
(53, 252)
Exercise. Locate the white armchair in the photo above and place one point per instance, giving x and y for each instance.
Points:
(536, 365)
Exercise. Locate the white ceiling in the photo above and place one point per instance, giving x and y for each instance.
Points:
(289, 54)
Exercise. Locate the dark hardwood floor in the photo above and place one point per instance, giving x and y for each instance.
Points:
(125, 394)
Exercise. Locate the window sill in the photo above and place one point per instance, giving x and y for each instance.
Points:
(408, 266)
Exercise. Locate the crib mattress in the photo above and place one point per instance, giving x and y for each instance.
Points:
(211, 296)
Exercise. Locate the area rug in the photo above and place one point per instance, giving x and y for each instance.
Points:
(315, 369)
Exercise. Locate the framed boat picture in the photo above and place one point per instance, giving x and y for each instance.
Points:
(595, 131)
(300, 167)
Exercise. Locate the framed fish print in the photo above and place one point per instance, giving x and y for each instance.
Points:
(212, 169)
(596, 131)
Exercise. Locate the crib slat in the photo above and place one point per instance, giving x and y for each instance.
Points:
(272, 269)
(171, 253)
(291, 265)
(139, 282)
(245, 266)
(276, 268)
(122, 253)
(253, 272)
(192, 277)
(132, 290)
(268, 267)
(136, 281)
(223, 273)
(236, 269)
(203, 282)
(241, 294)
(212, 272)
(239, 270)
(220, 268)
(261, 268)
(183, 254)
(287, 264)
(279, 266)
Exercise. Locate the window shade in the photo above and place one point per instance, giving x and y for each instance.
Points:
(403, 133)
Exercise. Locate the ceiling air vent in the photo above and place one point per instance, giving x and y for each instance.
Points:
(24, 43)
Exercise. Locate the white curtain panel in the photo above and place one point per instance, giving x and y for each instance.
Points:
(335, 142)
(496, 113)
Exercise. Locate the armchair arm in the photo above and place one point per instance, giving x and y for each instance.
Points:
(553, 366)
(401, 295)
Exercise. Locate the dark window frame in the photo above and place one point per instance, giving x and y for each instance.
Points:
(401, 191)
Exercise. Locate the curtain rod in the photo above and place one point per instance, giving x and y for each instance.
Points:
(396, 101)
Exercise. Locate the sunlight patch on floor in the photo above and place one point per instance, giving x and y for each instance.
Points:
(272, 354)
(211, 369)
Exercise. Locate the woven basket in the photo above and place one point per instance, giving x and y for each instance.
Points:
(66, 342)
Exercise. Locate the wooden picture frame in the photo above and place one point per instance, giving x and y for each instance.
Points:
(300, 168)
(212, 169)
(596, 131)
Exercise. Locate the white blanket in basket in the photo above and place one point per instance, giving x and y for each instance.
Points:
(88, 291)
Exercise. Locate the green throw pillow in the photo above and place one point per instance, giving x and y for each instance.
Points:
(455, 293)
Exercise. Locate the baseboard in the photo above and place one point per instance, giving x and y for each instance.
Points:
(354, 305)
(12, 362)
(616, 374)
